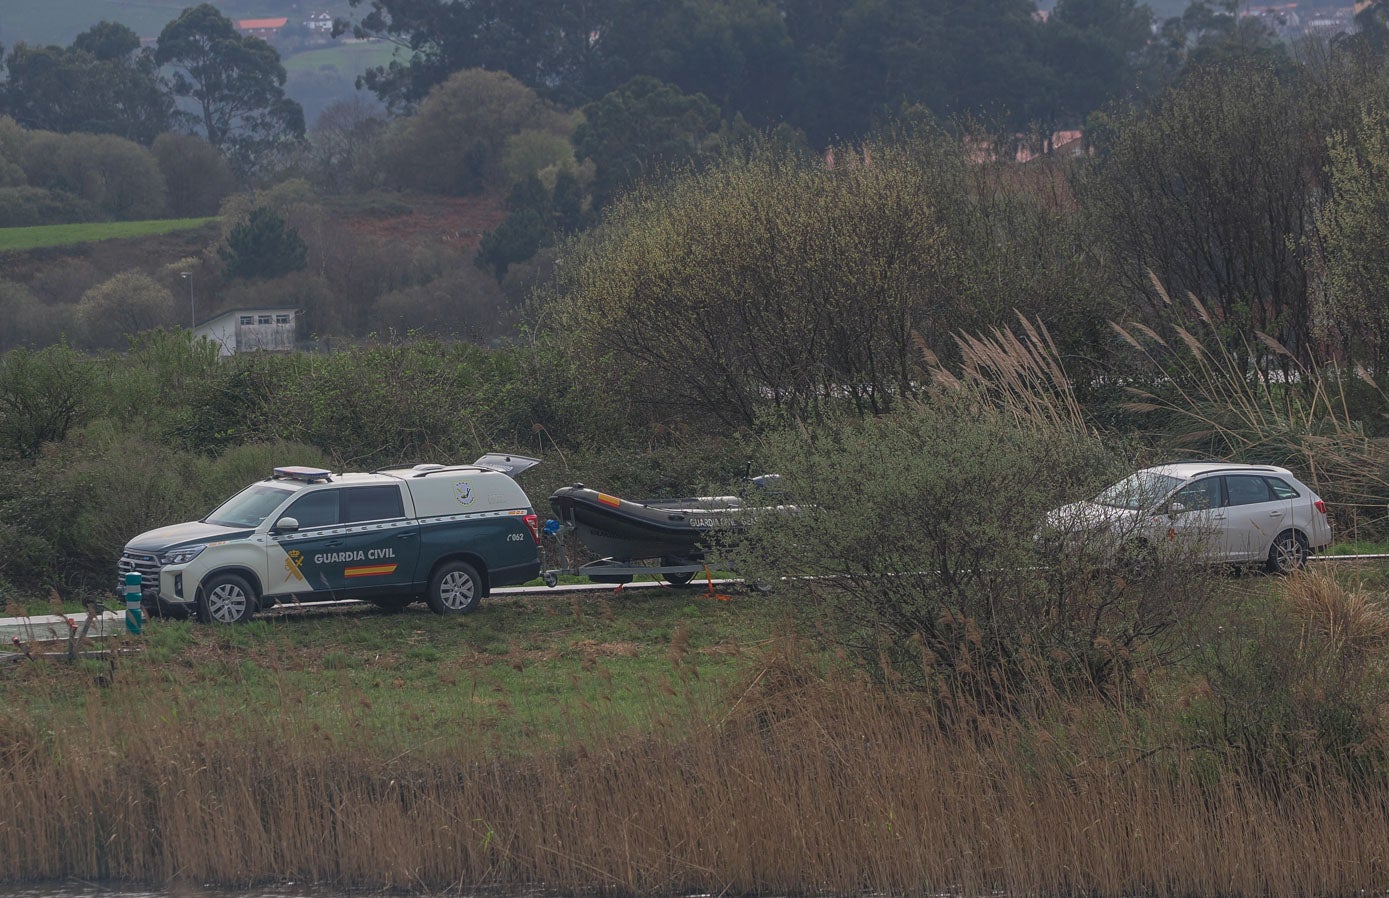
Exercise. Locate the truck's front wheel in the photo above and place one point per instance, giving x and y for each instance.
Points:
(226, 599)
(455, 589)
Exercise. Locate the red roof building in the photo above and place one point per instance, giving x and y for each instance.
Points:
(261, 27)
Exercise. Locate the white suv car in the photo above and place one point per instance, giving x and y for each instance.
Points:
(1234, 513)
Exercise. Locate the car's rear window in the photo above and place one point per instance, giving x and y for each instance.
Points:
(1246, 490)
(1281, 488)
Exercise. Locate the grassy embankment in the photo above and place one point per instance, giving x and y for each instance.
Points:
(19, 239)
(645, 743)
(348, 58)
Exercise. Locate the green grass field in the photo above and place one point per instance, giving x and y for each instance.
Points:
(347, 59)
(519, 674)
(12, 239)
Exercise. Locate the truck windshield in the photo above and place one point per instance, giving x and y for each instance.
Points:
(249, 507)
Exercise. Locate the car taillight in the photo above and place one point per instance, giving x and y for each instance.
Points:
(1320, 506)
(533, 522)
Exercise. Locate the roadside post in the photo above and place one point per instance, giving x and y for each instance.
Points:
(132, 602)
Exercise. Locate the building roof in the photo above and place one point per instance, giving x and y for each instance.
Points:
(257, 24)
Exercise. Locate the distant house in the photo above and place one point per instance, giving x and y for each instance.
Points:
(1330, 22)
(248, 330)
(319, 22)
(262, 28)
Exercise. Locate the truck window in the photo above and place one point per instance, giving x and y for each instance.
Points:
(371, 503)
(316, 509)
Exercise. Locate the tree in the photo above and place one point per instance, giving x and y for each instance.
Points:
(128, 303)
(345, 145)
(768, 280)
(1351, 310)
(1093, 47)
(529, 227)
(1213, 193)
(463, 128)
(114, 174)
(641, 126)
(551, 46)
(263, 246)
(735, 52)
(102, 84)
(198, 177)
(235, 81)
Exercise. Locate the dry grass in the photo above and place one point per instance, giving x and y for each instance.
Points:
(804, 785)
(1258, 402)
(1021, 377)
(1349, 618)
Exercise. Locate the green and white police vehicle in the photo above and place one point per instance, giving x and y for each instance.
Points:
(447, 534)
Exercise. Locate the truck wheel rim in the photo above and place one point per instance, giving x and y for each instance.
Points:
(227, 603)
(456, 590)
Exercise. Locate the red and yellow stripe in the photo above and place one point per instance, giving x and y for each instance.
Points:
(611, 501)
(370, 570)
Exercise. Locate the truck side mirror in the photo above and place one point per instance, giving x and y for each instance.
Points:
(287, 524)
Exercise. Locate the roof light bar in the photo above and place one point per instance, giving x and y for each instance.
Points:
(306, 475)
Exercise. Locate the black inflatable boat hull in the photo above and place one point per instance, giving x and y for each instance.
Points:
(627, 530)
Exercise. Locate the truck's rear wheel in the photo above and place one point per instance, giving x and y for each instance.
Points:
(455, 589)
(226, 599)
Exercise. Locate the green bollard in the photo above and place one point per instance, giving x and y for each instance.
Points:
(133, 583)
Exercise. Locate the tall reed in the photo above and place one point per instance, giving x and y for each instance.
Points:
(806, 784)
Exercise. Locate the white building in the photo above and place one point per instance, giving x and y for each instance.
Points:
(246, 330)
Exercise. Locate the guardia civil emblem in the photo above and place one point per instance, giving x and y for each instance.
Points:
(464, 491)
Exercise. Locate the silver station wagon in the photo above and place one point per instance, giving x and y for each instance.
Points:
(1241, 514)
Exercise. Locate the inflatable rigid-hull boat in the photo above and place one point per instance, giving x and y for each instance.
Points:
(677, 530)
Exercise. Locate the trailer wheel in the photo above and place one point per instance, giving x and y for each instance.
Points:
(551, 579)
(682, 578)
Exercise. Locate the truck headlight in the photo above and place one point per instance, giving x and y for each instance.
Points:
(181, 555)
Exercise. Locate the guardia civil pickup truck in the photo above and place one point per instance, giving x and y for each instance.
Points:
(447, 534)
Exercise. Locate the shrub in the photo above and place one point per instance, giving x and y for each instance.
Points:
(43, 395)
(117, 175)
(128, 303)
(768, 281)
(1296, 683)
(915, 551)
(65, 518)
(23, 207)
(464, 125)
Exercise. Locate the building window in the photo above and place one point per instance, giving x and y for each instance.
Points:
(247, 319)
(282, 319)
(263, 319)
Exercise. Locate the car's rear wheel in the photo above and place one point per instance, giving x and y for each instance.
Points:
(1289, 553)
(226, 599)
(455, 589)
